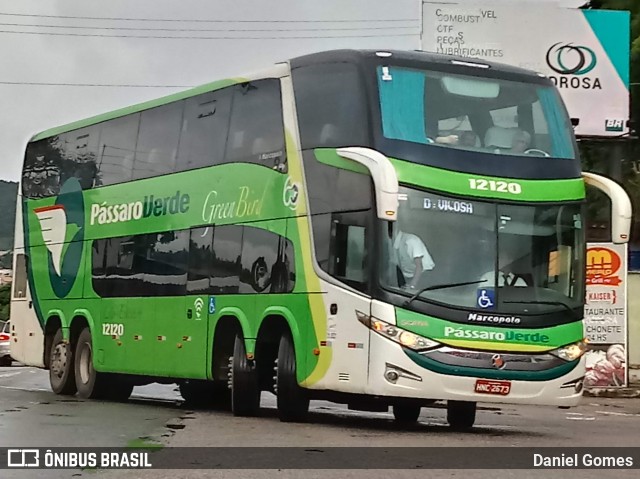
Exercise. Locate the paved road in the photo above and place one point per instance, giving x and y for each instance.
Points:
(31, 415)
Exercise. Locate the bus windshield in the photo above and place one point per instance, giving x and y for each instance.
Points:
(473, 113)
(514, 258)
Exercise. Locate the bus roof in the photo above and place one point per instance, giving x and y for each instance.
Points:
(417, 56)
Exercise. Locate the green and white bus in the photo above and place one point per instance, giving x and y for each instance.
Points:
(372, 228)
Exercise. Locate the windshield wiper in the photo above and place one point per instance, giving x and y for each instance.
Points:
(551, 303)
(441, 286)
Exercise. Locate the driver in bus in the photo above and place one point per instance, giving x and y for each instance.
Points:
(412, 258)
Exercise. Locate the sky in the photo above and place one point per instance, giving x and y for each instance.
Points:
(63, 60)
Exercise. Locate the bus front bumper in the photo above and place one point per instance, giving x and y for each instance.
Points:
(395, 372)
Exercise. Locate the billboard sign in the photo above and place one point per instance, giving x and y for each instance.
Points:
(605, 315)
(584, 52)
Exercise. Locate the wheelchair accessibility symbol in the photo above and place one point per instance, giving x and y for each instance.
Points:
(486, 298)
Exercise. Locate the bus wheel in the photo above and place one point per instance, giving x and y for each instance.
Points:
(406, 414)
(61, 369)
(245, 392)
(90, 383)
(461, 414)
(293, 401)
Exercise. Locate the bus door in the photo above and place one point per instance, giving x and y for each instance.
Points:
(347, 260)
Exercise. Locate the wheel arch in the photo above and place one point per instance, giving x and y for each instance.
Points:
(81, 319)
(276, 321)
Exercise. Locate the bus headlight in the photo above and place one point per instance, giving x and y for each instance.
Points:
(571, 352)
(401, 336)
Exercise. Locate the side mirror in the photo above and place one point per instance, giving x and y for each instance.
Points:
(384, 177)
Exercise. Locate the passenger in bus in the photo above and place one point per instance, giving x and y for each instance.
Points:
(468, 139)
(520, 142)
(447, 140)
(412, 258)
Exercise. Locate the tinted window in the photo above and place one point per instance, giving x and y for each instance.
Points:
(331, 105)
(348, 248)
(165, 263)
(204, 130)
(200, 260)
(332, 189)
(98, 258)
(144, 265)
(52, 161)
(79, 156)
(340, 241)
(256, 132)
(321, 225)
(119, 273)
(526, 118)
(42, 172)
(284, 272)
(157, 146)
(259, 255)
(116, 149)
(20, 277)
(225, 271)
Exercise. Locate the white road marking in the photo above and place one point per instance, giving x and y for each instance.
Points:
(577, 418)
(8, 375)
(25, 389)
(613, 413)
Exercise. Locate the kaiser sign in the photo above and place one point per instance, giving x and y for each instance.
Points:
(584, 52)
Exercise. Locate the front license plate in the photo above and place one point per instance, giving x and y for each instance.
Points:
(486, 386)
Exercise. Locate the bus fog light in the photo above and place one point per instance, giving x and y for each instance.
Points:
(392, 373)
(391, 376)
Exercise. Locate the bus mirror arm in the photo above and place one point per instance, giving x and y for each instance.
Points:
(620, 205)
(384, 177)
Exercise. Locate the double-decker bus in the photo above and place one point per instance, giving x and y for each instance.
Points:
(376, 228)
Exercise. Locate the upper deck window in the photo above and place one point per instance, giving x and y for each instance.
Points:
(331, 105)
(473, 113)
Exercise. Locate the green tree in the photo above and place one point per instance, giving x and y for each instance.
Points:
(5, 300)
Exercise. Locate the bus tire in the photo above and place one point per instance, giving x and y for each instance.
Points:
(61, 367)
(90, 383)
(461, 414)
(245, 390)
(406, 414)
(293, 401)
